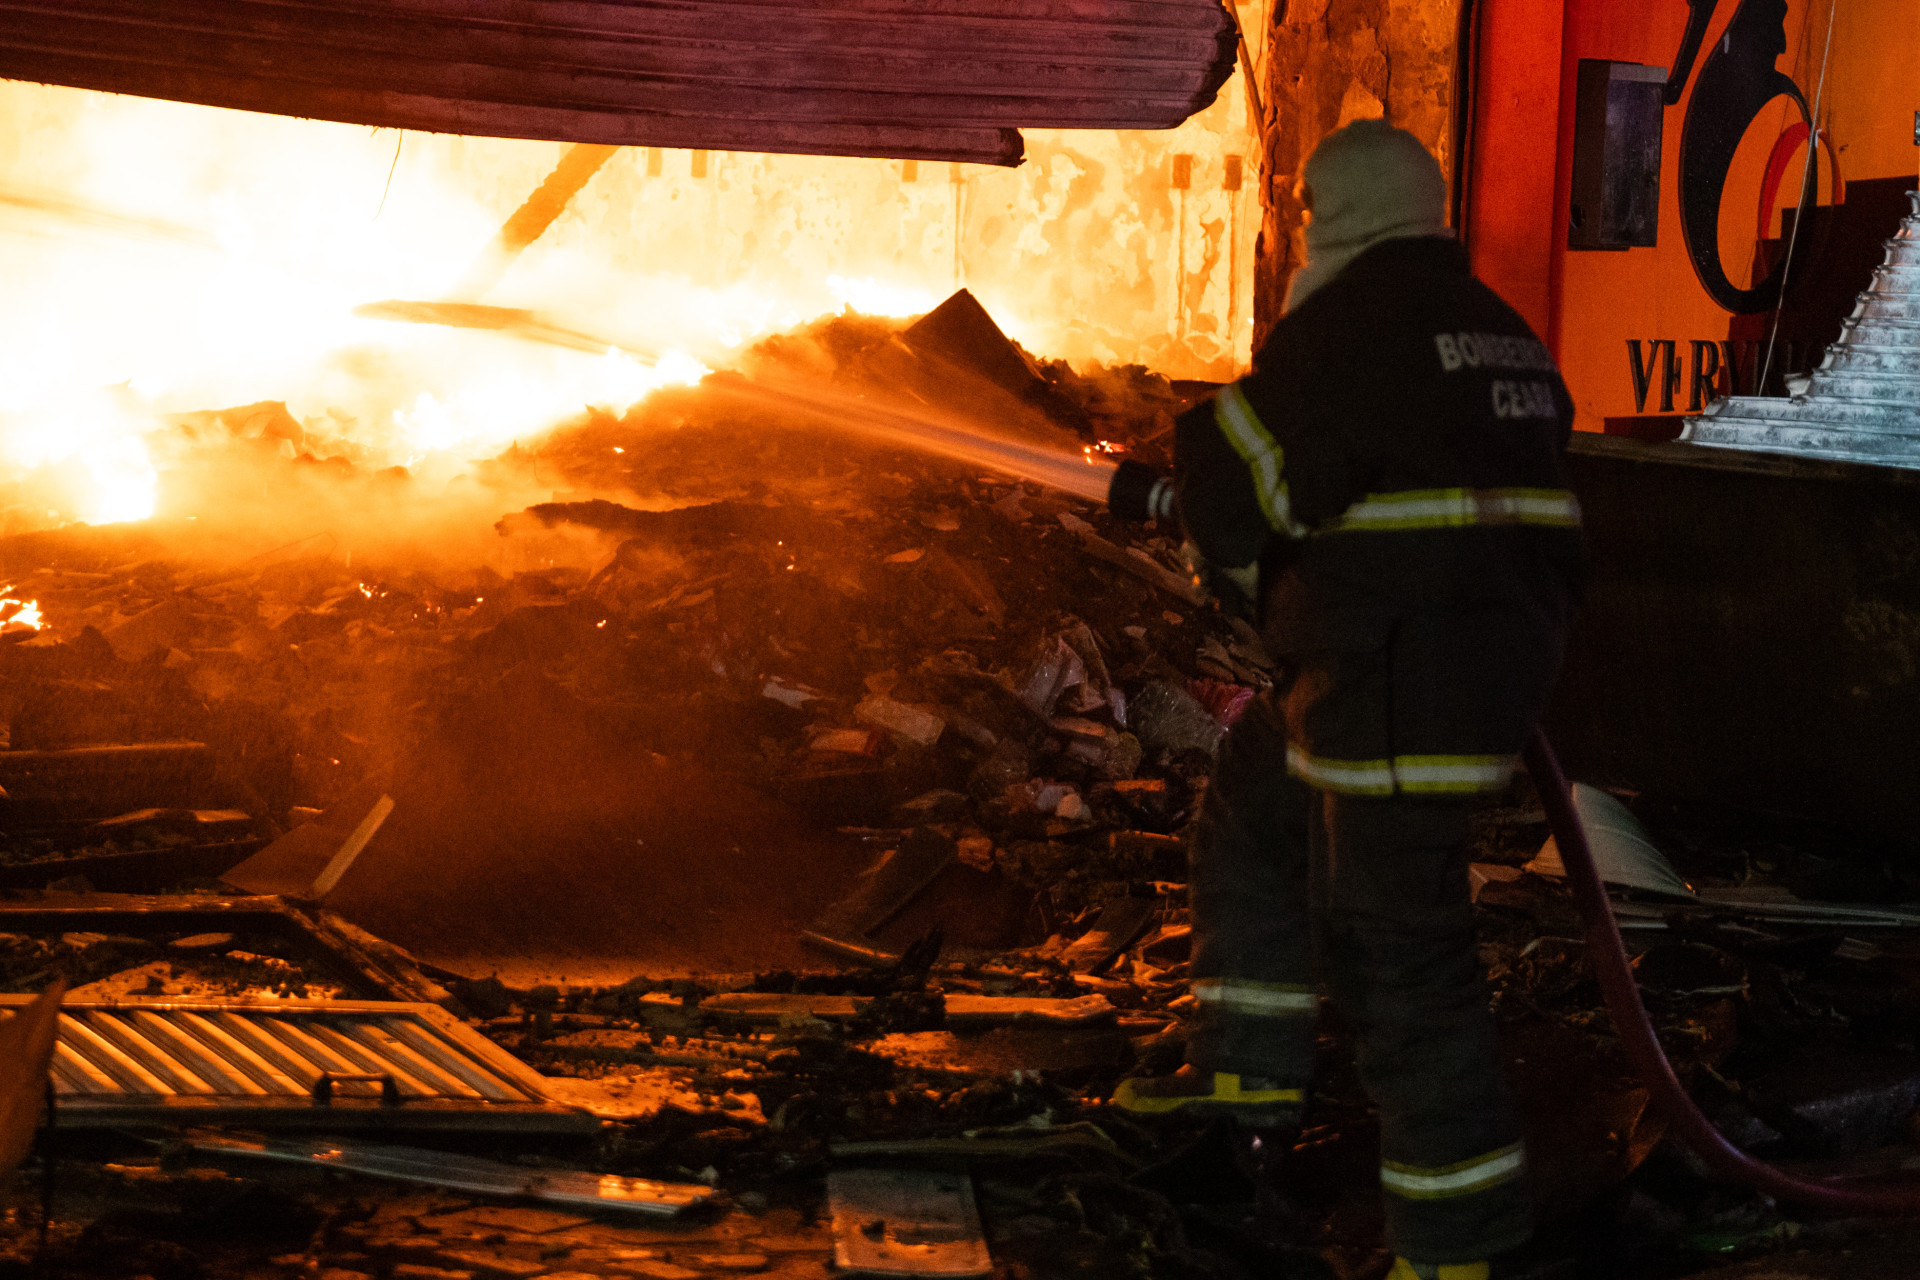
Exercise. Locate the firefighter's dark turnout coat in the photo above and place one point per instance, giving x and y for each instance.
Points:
(1394, 465)
(1396, 459)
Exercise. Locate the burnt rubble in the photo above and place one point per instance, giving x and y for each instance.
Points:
(941, 737)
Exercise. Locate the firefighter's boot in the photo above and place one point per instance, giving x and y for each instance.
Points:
(1404, 1270)
(1255, 1102)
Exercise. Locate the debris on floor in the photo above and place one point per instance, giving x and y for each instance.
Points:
(805, 831)
(577, 1190)
(901, 1222)
(335, 1065)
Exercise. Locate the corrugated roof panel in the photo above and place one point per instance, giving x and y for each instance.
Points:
(948, 80)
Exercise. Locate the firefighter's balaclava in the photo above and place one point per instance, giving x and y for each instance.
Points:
(1365, 183)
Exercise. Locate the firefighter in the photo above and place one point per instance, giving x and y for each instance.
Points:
(1387, 490)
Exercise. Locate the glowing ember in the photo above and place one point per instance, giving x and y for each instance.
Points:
(18, 615)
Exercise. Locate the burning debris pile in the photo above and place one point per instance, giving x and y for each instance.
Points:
(784, 806)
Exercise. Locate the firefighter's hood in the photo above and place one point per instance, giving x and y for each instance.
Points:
(1367, 182)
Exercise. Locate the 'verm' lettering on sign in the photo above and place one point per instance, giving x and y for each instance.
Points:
(1705, 370)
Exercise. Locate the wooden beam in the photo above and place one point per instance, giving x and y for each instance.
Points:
(948, 79)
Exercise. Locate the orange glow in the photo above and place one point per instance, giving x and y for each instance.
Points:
(176, 259)
(1590, 304)
(16, 615)
(167, 263)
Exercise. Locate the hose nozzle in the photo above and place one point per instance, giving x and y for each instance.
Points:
(1138, 492)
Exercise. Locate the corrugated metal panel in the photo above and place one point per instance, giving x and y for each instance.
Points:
(949, 79)
(384, 1065)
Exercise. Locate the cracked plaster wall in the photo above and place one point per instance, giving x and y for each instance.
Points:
(1332, 61)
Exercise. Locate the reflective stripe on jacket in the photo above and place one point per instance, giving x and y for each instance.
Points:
(1394, 465)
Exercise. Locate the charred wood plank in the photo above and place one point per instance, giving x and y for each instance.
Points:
(913, 91)
(890, 59)
(1149, 571)
(1157, 31)
(397, 110)
(139, 871)
(370, 965)
(945, 80)
(98, 781)
(531, 220)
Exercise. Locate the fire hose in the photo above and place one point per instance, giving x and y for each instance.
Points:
(1138, 492)
(1608, 955)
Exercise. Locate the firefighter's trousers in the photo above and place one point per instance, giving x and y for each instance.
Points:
(1294, 889)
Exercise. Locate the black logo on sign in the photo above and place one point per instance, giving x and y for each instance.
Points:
(1736, 81)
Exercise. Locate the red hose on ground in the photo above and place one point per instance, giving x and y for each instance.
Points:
(1610, 963)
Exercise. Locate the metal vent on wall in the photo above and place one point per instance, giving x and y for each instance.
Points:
(340, 1064)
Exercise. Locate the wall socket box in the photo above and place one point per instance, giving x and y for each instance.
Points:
(1619, 114)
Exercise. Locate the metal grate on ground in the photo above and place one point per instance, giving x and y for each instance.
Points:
(339, 1064)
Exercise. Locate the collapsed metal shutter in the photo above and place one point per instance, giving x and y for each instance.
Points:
(334, 1063)
(940, 79)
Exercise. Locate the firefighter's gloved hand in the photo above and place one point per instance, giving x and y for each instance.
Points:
(1138, 492)
(1234, 590)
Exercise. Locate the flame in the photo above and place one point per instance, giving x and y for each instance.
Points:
(94, 438)
(165, 260)
(16, 614)
(181, 259)
(881, 298)
(487, 415)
